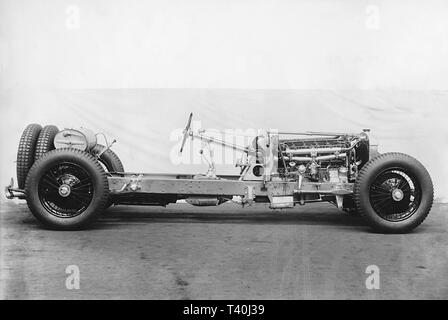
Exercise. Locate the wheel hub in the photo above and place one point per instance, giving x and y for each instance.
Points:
(64, 190)
(397, 194)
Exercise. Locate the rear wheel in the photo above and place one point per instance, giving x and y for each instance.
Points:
(394, 192)
(108, 158)
(111, 162)
(25, 153)
(67, 189)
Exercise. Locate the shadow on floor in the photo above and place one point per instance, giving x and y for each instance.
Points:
(319, 215)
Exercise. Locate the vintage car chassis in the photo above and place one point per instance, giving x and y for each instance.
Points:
(67, 178)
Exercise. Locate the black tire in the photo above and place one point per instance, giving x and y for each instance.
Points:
(25, 153)
(110, 160)
(394, 192)
(349, 206)
(373, 153)
(45, 141)
(112, 163)
(51, 184)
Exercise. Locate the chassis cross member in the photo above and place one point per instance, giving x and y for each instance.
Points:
(73, 178)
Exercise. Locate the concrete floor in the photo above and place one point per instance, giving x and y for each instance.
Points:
(184, 252)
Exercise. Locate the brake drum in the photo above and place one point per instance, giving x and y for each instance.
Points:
(82, 139)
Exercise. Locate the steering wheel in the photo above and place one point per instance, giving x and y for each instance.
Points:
(186, 132)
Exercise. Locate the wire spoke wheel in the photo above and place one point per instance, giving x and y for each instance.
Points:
(394, 192)
(66, 190)
(395, 195)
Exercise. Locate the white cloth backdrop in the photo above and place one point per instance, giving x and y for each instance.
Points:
(147, 122)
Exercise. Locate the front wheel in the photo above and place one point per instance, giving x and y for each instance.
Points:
(394, 192)
(67, 189)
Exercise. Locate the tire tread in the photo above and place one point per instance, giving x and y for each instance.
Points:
(99, 170)
(109, 158)
(26, 152)
(362, 176)
(45, 141)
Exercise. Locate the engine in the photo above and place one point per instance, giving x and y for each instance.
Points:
(316, 158)
(323, 159)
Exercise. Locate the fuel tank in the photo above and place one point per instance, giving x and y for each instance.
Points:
(82, 139)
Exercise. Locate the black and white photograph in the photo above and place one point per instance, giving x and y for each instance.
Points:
(223, 150)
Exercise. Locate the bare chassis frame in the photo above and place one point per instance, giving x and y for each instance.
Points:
(392, 190)
(168, 188)
(223, 186)
(183, 186)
